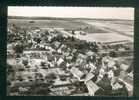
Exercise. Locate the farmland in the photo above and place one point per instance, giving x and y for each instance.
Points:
(97, 30)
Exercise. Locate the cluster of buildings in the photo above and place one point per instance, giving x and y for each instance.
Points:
(49, 62)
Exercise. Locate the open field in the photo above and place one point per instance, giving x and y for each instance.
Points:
(105, 37)
(108, 30)
(66, 24)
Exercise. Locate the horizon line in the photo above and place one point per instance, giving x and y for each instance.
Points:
(65, 17)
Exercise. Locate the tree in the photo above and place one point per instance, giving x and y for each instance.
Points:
(18, 48)
(51, 76)
(105, 83)
(25, 62)
(43, 63)
(20, 78)
(73, 32)
(113, 54)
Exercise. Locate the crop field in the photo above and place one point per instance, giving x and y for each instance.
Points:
(66, 24)
(96, 30)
